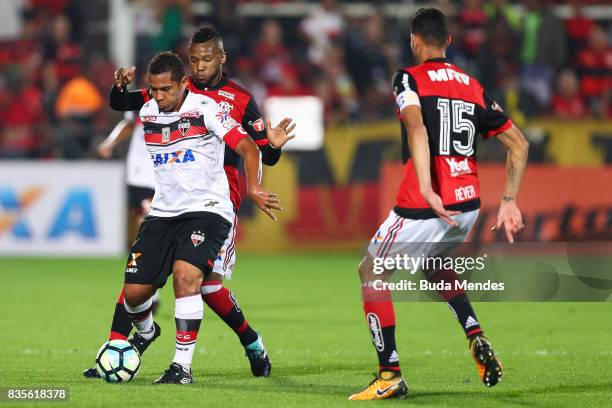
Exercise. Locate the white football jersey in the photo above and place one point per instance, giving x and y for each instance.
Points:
(187, 149)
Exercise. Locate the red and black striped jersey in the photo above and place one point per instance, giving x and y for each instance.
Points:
(455, 110)
(241, 106)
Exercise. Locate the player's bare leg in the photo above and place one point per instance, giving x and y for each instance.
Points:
(188, 314)
(224, 303)
(380, 317)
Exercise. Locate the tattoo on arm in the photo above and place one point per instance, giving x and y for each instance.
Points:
(507, 198)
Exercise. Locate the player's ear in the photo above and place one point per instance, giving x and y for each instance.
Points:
(183, 82)
(414, 43)
(223, 58)
(449, 41)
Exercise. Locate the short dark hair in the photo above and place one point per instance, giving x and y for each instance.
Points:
(205, 34)
(430, 24)
(167, 61)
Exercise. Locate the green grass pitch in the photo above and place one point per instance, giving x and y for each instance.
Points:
(55, 313)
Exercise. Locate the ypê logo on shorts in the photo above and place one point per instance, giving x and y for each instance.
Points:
(180, 156)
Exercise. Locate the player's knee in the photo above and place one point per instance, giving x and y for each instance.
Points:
(213, 277)
(186, 283)
(365, 268)
(133, 297)
(210, 288)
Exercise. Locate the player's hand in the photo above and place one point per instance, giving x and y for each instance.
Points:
(146, 205)
(105, 150)
(510, 217)
(435, 202)
(123, 77)
(265, 200)
(280, 135)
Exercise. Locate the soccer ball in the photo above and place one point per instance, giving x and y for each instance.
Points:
(117, 361)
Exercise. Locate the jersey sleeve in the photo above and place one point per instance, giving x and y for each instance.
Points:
(495, 120)
(253, 122)
(405, 90)
(129, 116)
(222, 125)
(127, 100)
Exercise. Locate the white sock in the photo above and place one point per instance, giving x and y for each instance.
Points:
(142, 318)
(188, 313)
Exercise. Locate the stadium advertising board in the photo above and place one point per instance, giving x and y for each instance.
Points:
(333, 196)
(558, 203)
(62, 208)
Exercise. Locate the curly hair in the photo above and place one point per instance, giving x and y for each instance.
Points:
(167, 61)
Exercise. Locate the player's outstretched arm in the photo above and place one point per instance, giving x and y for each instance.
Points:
(278, 136)
(419, 151)
(265, 200)
(120, 132)
(269, 140)
(509, 214)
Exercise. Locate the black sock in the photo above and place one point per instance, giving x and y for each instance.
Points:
(380, 317)
(248, 336)
(388, 360)
(121, 326)
(462, 308)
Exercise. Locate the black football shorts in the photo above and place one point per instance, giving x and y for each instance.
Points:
(194, 237)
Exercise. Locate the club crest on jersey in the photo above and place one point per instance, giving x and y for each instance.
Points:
(226, 106)
(259, 125)
(165, 134)
(197, 238)
(227, 95)
(184, 127)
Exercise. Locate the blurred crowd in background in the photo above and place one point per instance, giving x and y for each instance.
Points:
(55, 69)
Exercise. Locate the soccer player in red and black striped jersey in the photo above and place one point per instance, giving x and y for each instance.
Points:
(442, 110)
(206, 57)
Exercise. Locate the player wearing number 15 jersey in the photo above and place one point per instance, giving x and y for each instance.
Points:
(442, 110)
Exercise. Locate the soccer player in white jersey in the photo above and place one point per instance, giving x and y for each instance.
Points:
(185, 134)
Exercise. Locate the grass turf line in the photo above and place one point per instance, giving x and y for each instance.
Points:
(56, 313)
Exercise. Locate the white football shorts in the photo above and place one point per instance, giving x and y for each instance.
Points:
(224, 264)
(415, 237)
